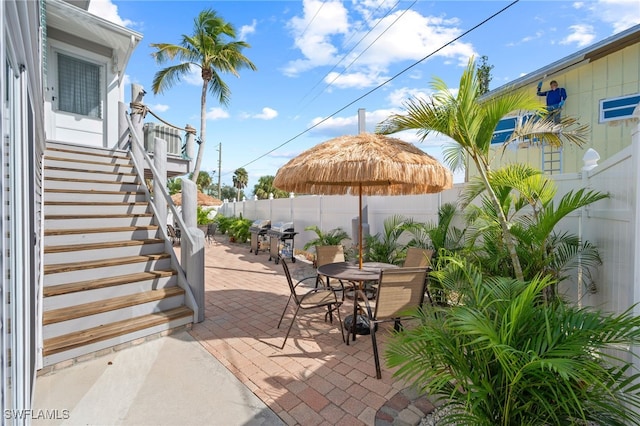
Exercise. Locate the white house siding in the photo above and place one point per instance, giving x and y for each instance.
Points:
(22, 129)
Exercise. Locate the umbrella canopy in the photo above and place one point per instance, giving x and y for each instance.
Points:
(363, 164)
(203, 199)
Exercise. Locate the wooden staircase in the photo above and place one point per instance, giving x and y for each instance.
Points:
(109, 276)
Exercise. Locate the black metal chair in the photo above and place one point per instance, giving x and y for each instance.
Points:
(320, 297)
(211, 232)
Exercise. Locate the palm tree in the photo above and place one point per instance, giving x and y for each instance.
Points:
(264, 187)
(240, 180)
(208, 49)
(470, 121)
(203, 182)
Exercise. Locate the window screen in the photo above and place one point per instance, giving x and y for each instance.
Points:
(79, 87)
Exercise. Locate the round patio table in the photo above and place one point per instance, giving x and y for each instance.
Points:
(349, 271)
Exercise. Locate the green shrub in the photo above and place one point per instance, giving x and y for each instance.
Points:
(239, 230)
(502, 355)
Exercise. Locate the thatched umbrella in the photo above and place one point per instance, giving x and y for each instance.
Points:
(363, 164)
(203, 199)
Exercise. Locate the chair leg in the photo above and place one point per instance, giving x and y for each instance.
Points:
(374, 344)
(295, 314)
(340, 323)
(284, 310)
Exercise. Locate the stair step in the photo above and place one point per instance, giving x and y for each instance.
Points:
(61, 289)
(104, 332)
(111, 162)
(88, 171)
(79, 266)
(94, 216)
(97, 246)
(93, 308)
(88, 196)
(50, 232)
(57, 149)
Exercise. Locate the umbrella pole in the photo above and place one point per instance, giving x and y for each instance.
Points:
(360, 224)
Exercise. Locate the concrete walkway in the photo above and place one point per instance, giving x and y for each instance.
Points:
(171, 380)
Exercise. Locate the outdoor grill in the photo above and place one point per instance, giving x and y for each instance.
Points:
(258, 230)
(281, 241)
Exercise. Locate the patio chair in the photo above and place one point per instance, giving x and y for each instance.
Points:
(324, 256)
(321, 297)
(399, 290)
(418, 257)
(211, 232)
(174, 235)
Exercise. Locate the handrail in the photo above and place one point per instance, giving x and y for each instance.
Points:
(163, 229)
(155, 174)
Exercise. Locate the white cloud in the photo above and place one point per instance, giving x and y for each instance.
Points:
(217, 113)
(159, 108)
(247, 29)
(399, 96)
(267, 114)
(581, 35)
(109, 11)
(620, 14)
(401, 36)
(194, 77)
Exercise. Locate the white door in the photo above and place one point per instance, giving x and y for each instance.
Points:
(75, 98)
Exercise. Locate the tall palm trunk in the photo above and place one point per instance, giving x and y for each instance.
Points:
(203, 131)
(509, 242)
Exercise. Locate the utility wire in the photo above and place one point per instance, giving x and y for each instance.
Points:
(363, 52)
(383, 83)
(312, 19)
(350, 50)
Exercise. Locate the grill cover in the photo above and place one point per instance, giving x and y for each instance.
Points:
(260, 225)
(282, 227)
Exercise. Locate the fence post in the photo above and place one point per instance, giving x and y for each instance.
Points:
(192, 257)
(160, 163)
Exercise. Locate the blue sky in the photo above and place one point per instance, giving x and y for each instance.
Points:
(320, 61)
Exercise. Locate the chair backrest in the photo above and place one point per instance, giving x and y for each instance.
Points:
(399, 289)
(287, 274)
(418, 257)
(211, 229)
(329, 254)
(171, 231)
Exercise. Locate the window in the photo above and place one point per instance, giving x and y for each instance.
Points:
(79, 87)
(506, 126)
(618, 108)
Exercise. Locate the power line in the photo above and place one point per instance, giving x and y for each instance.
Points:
(484, 21)
(367, 48)
(350, 50)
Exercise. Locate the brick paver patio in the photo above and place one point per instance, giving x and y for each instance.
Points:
(316, 379)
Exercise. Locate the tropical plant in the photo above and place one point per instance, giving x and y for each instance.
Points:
(471, 122)
(484, 75)
(386, 247)
(526, 199)
(212, 48)
(228, 192)
(240, 180)
(223, 222)
(439, 235)
(239, 230)
(264, 187)
(174, 185)
(503, 356)
(202, 216)
(203, 182)
(332, 237)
